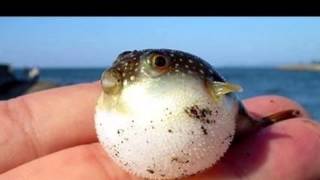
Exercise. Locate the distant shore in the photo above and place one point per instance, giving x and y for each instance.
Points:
(301, 67)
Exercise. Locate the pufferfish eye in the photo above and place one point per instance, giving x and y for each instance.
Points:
(159, 61)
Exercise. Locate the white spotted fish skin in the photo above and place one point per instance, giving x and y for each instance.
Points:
(164, 123)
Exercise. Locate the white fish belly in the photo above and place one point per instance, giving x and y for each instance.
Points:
(174, 132)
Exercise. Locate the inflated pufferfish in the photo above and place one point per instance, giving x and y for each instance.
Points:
(167, 114)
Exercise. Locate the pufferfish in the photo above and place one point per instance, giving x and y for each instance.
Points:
(166, 114)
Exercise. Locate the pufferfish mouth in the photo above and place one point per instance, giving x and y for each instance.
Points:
(111, 81)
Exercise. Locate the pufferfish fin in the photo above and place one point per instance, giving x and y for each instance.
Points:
(218, 89)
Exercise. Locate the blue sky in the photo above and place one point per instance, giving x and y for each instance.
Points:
(96, 41)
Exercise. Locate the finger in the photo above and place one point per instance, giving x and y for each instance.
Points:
(47, 121)
(262, 106)
(286, 150)
(79, 162)
(277, 151)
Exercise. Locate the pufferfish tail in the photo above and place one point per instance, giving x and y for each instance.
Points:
(247, 125)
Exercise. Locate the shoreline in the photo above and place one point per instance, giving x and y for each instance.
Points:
(301, 67)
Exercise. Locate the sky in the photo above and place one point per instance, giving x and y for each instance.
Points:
(96, 41)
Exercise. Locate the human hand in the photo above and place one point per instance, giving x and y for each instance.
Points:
(51, 135)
